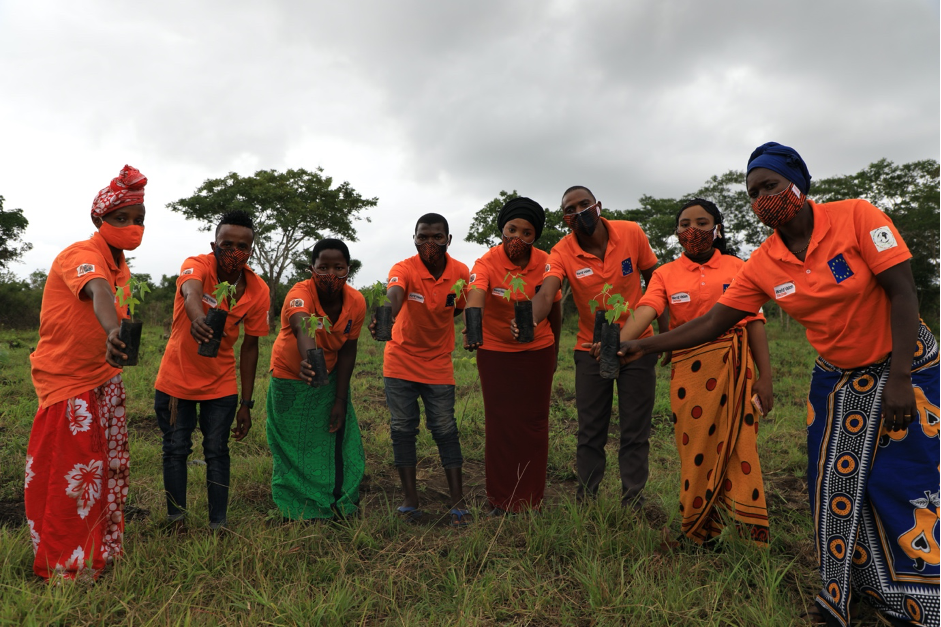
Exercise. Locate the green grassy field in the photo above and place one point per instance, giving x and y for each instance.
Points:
(591, 565)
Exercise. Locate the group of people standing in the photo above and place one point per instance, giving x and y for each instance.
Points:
(840, 269)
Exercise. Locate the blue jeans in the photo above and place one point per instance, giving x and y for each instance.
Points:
(214, 420)
(402, 399)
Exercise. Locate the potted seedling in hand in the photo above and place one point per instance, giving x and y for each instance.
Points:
(377, 300)
(473, 316)
(612, 307)
(315, 356)
(216, 317)
(130, 296)
(523, 309)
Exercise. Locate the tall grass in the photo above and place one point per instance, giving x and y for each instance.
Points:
(573, 564)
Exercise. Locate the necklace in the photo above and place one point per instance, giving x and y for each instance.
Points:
(806, 246)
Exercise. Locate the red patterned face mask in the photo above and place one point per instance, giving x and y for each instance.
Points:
(122, 237)
(695, 241)
(584, 221)
(515, 247)
(329, 285)
(231, 259)
(431, 253)
(780, 208)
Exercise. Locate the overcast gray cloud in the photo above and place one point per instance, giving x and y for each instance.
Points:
(437, 106)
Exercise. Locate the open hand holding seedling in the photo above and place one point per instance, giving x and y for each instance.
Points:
(114, 349)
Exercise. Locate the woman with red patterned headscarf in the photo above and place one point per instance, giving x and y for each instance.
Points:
(77, 458)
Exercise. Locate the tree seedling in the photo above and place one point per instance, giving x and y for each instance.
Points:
(130, 296)
(615, 304)
(225, 291)
(473, 316)
(522, 307)
(127, 297)
(315, 356)
(614, 308)
(216, 318)
(375, 295)
(378, 300)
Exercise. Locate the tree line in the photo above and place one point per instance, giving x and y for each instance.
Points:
(295, 208)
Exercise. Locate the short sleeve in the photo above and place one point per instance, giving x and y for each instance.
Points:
(480, 275)
(398, 277)
(192, 268)
(256, 323)
(555, 265)
(79, 265)
(357, 316)
(656, 295)
(744, 294)
(298, 300)
(646, 258)
(880, 244)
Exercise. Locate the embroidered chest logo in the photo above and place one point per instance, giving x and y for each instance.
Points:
(297, 302)
(725, 286)
(414, 296)
(883, 238)
(85, 268)
(581, 274)
(840, 269)
(785, 289)
(348, 327)
(187, 271)
(627, 267)
(450, 301)
(679, 297)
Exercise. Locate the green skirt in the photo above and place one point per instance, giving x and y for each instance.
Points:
(316, 473)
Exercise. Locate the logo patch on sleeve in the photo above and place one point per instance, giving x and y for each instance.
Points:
(679, 297)
(415, 296)
(187, 271)
(85, 268)
(297, 302)
(627, 267)
(581, 274)
(348, 327)
(473, 278)
(450, 300)
(883, 238)
(393, 279)
(548, 267)
(840, 269)
(785, 289)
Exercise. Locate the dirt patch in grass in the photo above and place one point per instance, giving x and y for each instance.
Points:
(12, 513)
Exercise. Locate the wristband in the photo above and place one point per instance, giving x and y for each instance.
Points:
(249, 404)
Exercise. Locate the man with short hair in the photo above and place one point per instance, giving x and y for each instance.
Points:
(596, 253)
(418, 360)
(187, 381)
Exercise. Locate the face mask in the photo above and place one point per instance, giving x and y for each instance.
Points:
(329, 285)
(584, 221)
(695, 241)
(122, 237)
(515, 247)
(431, 253)
(780, 208)
(230, 259)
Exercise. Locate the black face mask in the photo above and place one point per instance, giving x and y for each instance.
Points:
(584, 221)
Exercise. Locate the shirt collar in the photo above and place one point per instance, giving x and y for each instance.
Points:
(426, 273)
(712, 262)
(778, 250)
(106, 252)
(613, 240)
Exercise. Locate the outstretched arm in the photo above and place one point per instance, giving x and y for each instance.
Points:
(707, 327)
(102, 298)
(542, 302)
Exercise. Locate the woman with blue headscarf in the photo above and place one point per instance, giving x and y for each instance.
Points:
(842, 271)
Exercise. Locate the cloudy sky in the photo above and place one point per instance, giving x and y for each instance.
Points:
(437, 106)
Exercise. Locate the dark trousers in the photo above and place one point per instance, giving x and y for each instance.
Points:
(593, 397)
(214, 419)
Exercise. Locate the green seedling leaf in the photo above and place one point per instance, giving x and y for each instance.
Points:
(126, 297)
(375, 295)
(312, 323)
(225, 291)
(459, 286)
(593, 305)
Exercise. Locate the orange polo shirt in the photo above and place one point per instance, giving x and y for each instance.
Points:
(70, 356)
(285, 358)
(628, 252)
(183, 372)
(488, 275)
(423, 333)
(689, 289)
(833, 293)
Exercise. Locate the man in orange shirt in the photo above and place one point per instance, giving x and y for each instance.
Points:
(77, 457)
(187, 380)
(418, 360)
(600, 252)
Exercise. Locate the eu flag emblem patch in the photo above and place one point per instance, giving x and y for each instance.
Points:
(627, 267)
(840, 269)
(349, 326)
(725, 286)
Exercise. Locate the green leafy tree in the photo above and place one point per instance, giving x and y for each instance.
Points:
(908, 193)
(291, 210)
(12, 225)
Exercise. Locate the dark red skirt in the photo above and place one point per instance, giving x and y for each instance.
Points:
(517, 388)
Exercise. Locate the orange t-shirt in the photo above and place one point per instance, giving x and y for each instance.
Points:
(833, 293)
(689, 289)
(70, 356)
(183, 372)
(423, 333)
(488, 275)
(285, 358)
(628, 252)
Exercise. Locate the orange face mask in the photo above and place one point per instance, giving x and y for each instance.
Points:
(123, 237)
